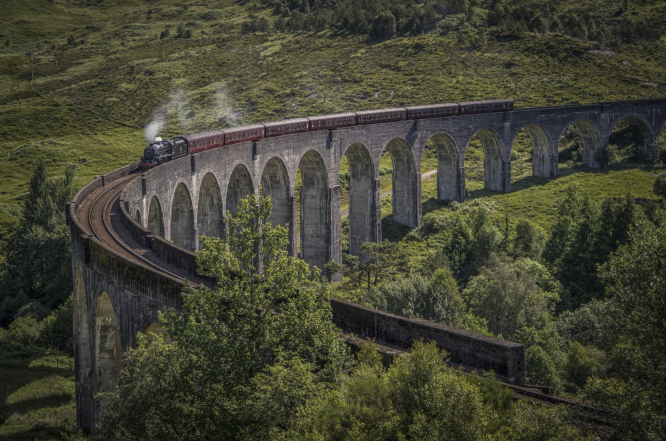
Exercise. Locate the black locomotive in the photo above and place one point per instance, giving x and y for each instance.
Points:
(162, 151)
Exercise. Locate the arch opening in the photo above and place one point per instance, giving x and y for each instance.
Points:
(658, 147)
(449, 173)
(275, 184)
(108, 349)
(495, 171)
(183, 232)
(155, 218)
(314, 225)
(580, 143)
(630, 141)
(82, 348)
(137, 217)
(532, 144)
(358, 175)
(157, 329)
(406, 197)
(240, 186)
(210, 221)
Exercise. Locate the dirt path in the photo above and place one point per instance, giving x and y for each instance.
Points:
(424, 176)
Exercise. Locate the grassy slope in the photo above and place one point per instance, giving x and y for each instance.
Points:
(124, 71)
(36, 395)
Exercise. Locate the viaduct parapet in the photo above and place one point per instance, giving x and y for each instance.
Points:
(134, 236)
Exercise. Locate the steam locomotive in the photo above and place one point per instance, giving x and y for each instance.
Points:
(165, 150)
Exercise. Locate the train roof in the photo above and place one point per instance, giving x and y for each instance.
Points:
(286, 121)
(471, 103)
(432, 106)
(332, 115)
(392, 109)
(241, 128)
(200, 135)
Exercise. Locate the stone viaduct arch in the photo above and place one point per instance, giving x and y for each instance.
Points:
(210, 219)
(364, 206)
(496, 171)
(183, 232)
(643, 126)
(240, 186)
(591, 141)
(450, 171)
(406, 183)
(108, 352)
(314, 211)
(544, 151)
(155, 217)
(275, 184)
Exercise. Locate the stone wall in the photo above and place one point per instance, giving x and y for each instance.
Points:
(467, 349)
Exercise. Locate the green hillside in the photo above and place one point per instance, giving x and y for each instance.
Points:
(79, 80)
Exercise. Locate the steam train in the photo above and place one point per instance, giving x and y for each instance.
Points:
(165, 150)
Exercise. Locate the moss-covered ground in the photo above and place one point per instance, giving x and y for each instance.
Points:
(36, 395)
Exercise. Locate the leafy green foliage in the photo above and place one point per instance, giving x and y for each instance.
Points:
(378, 260)
(506, 294)
(417, 398)
(660, 186)
(383, 19)
(54, 331)
(529, 240)
(438, 299)
(37, 266)
(584, 236)
(245, 357)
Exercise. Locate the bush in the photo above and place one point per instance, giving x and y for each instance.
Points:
(24, 330)
(532, 423)
(383, 27)
(416, 297)
(257, 25)
(507, 295)
(529, 241)
(56, 329)
(54, 332)
(582, 363)
(540, 365)
(659, 186)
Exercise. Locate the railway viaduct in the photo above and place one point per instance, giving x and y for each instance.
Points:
(134, 236)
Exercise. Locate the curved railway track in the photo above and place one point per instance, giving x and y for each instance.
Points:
(99, 223)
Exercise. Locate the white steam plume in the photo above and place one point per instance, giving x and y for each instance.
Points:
(152, 129)
(169, 115)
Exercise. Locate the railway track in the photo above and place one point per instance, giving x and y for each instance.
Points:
(98, 220)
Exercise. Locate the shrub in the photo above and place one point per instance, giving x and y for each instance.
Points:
(529, 241)
(383, 27)
(659, 186)
(24, 331)
(582, 363)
